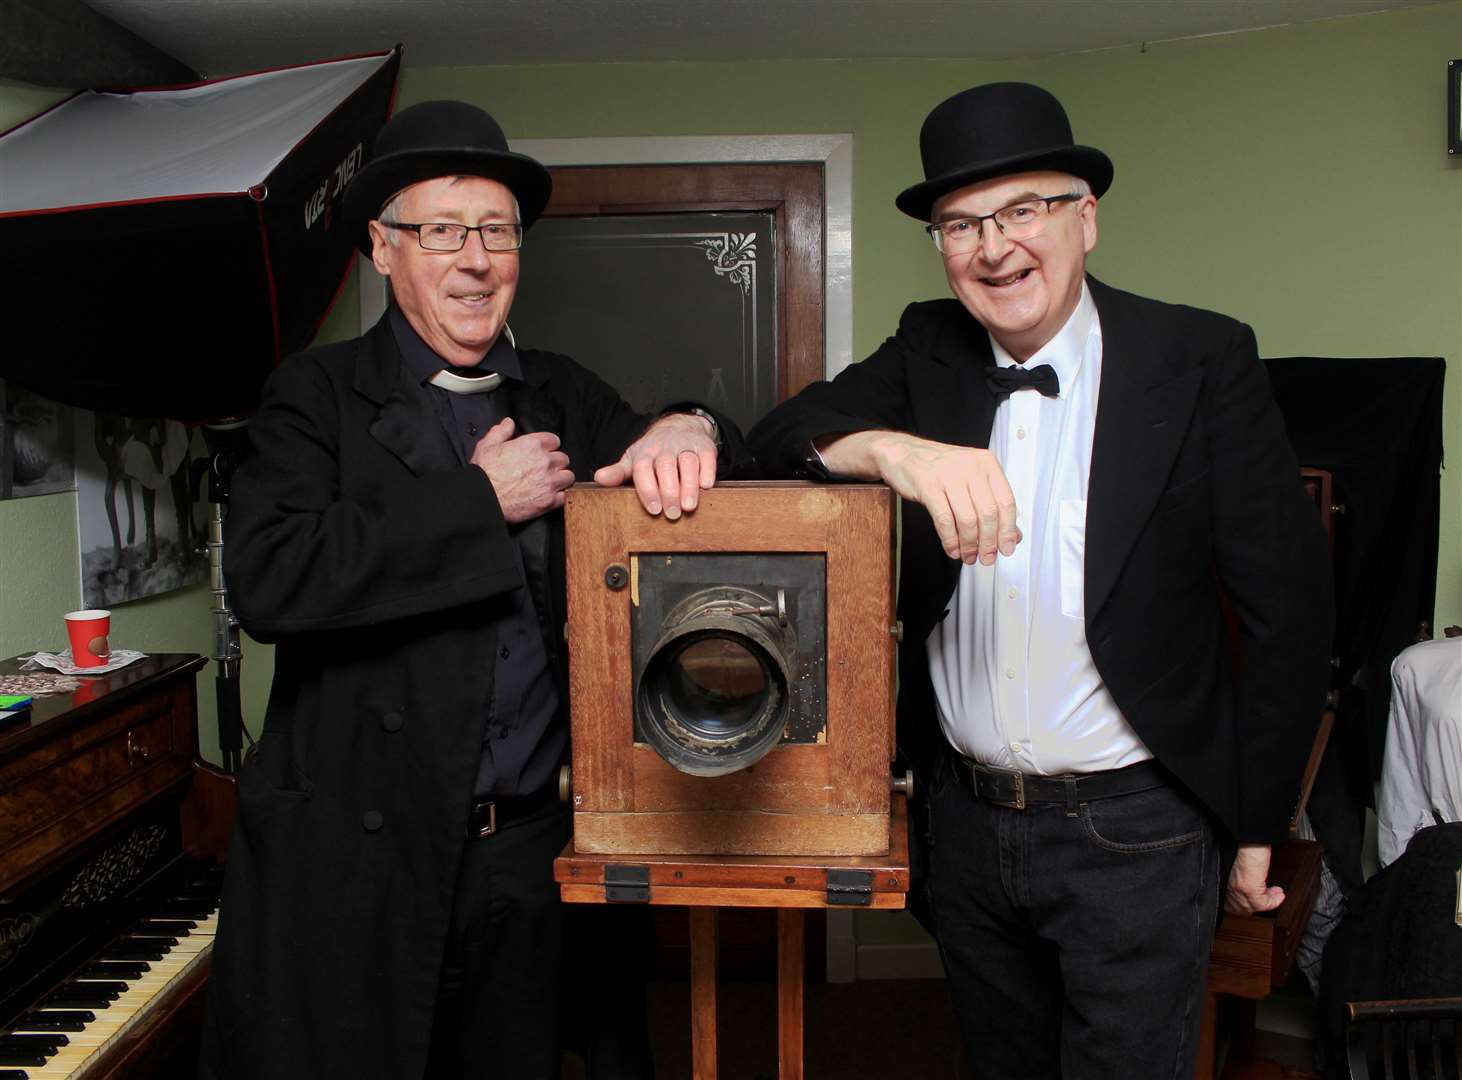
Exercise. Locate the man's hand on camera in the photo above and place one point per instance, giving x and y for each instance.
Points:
(670, 464)
(529, 472)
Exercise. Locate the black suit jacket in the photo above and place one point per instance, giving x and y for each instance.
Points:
(1193, 485)
(377, 563)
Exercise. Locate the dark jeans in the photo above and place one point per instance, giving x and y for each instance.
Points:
(1075, 946)
(498, 997)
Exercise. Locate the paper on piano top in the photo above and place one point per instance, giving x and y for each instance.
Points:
(61, 662)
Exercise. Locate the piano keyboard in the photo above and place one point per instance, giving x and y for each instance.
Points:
(79, 1023)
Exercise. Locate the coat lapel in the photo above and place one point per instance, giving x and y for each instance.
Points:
(960, 408)
(1142, 411)
(405, 424)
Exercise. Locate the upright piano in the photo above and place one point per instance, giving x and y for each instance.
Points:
(112, 836)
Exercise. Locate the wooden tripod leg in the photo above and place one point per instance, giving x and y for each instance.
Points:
(791, 931)
(703, 946)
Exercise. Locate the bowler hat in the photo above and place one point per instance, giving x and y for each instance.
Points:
(996, 130)
(442, 138)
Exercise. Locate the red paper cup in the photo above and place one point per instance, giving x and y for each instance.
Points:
(88, 633)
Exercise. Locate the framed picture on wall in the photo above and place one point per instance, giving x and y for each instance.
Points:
(139, 531)
(1454, 106)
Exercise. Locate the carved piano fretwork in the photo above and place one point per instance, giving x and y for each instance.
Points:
(112, 835)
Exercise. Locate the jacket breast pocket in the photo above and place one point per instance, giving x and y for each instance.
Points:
(1073, 557)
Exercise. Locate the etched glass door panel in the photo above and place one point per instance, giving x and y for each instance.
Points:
(666, 307)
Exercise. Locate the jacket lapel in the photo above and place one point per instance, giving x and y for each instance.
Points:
(960, 407)
(405, 424)
(1142, 411)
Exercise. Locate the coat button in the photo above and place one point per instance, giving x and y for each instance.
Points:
(392, 721)
(372, 820)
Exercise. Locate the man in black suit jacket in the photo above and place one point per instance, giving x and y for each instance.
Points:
(1081, 470)
(389, 909)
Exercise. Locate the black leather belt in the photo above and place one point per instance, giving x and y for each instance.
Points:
(489, 816)
(1017, 790)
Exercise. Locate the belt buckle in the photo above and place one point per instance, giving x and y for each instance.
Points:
(1019, 803)
(1001, 779)
(491, 826)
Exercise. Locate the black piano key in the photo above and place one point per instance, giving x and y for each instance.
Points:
(112, 987)
(149, 949)
(165, 927)
(14, 1074)
(66, 999)
(33, 1060)
(34, 1044)
(185, 909)
(56, 1020)
(116, 969)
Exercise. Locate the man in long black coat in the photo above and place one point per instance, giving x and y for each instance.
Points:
(1080, 469)
(389, 909)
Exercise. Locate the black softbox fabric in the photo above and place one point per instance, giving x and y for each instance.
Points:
(165, 248)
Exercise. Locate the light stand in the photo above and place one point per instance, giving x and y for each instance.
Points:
(226, 441)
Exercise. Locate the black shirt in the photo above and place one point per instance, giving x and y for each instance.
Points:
(523, 740)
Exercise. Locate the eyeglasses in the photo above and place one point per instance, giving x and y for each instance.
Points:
(1018, 221)
(446, 236)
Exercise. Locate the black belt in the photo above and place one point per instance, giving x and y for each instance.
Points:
(489, 816)
(1017, 790)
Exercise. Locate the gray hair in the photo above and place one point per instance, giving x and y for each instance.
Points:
(1080, 187)
(391, 213)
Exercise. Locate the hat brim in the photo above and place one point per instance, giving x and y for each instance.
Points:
(384, 176)
(1087, 162)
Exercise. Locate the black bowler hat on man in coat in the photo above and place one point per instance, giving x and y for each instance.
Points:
(998, 129)
(442, 138)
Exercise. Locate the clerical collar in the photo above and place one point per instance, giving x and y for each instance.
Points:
(425, 365)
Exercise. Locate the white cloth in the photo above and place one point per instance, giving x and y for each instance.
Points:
(1013, 676)
(1421, 771)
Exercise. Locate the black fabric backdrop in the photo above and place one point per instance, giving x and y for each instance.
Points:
(1376, 426)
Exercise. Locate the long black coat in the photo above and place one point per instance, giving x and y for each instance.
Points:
(1192, 482)
(377, 564)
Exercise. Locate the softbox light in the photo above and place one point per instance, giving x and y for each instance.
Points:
(163, 249)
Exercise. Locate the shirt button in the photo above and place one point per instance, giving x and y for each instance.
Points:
(372, 820)
(392, 721)
(1015, 747)
(503, 652)
(1014, 592)
(471, 429)
(1020, 433)
(1010, 673)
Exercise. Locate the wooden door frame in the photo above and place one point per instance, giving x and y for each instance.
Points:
(792, 193)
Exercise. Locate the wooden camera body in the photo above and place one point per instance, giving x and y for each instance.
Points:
(732, 672)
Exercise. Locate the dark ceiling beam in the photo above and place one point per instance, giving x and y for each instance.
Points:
(63, 43)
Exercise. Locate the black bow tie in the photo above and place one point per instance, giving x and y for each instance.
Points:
(1004, 381)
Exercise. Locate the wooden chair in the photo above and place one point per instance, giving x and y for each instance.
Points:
(1420, 1039)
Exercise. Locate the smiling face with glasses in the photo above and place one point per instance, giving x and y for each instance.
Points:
(454, 290)
(1015, 253)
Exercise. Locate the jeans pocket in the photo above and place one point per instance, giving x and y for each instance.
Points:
(1159, 819)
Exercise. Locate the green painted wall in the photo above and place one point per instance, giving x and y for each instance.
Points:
(1294, 177)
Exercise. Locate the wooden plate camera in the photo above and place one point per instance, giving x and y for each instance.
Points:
(732, 672)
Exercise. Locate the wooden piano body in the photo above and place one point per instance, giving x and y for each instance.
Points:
(109, 820)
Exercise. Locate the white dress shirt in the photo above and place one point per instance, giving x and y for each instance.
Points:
(1421, 770)
(1013, 677)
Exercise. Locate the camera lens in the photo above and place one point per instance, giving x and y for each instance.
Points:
(713, 695)
(716, 685)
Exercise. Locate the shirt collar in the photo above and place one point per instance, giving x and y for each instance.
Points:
(423, 362)
(1064, 352)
